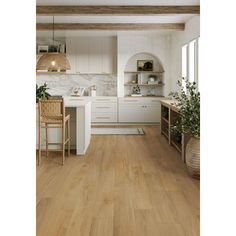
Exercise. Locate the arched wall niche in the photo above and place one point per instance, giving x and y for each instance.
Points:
(131, 64)
(142, 78)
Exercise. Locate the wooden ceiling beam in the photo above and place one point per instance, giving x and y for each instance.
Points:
(115, 10)
(110, 26)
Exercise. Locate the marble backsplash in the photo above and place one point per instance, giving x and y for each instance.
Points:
(106, 84)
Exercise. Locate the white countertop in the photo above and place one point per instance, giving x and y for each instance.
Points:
(68, 97)
(76, 103)
(69, 103)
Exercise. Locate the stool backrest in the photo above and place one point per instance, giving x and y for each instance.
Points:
(51, 109)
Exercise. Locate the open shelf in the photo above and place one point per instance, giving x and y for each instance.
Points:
(164, 119)
(139, 72)
(165, 134)
(165, 113)
(143, 96)
(146, 80)
(176, 145)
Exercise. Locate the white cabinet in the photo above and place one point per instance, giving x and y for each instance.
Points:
(109, 55)
(92, 55)
(104, 110)
(139, 110)
(82, 56)
(71, 54)
(95, 55)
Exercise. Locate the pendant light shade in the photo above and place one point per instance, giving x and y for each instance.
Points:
(53, 61)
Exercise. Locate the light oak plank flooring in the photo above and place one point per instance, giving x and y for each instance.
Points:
(124, 186)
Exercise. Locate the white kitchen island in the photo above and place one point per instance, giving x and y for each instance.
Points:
(80, 112)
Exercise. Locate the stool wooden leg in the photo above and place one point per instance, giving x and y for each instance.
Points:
(63, 144)
(68, 137)
(39, 143)
(46, 140)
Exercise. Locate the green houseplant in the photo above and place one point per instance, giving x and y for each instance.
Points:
(188, 101)
(41, 92)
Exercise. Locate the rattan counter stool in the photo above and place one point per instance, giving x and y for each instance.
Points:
(52, 115)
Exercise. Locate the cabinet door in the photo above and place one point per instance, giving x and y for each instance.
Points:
(108, 55)
(71, 54)
(146, 112)
(95, 55)
(131, 113)
(152, 113)
(82, 48)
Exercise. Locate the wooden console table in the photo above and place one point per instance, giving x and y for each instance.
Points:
(169, 115)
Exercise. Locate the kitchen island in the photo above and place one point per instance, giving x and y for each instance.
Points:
(169, 116)
(80, 112)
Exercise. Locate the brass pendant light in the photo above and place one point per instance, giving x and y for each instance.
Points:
(53, 61)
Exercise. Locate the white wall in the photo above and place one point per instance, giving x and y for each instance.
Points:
(178, 39)
(130, 45)
(167, 48)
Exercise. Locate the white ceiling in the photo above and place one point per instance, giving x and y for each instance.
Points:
(117, 2)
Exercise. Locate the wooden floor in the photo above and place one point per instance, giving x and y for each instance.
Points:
(124, 185)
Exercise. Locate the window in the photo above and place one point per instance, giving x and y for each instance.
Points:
(190, 61)
(184, 63)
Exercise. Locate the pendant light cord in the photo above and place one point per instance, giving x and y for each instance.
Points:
(53, 30)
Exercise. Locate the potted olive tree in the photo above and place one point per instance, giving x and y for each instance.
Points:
(188, 101)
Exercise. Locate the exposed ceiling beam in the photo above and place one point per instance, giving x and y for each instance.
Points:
(110, 26)
(116, 10)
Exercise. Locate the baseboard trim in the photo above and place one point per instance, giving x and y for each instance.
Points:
(122, 124)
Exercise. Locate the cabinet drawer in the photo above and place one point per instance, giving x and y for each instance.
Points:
(135, 101)
(103, 100)
(128, 101)
(104, 117)
(104, 107)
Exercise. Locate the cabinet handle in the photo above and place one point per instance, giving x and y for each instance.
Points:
(102, 99)
(103, 107)
(130, 100)
(102, 117)
(76, 99)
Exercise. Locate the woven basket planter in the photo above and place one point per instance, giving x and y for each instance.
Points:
(193, 157)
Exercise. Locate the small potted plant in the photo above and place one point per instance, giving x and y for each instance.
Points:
(188, 101)
(41, 92)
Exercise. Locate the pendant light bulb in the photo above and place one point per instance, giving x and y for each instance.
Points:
(53, 62)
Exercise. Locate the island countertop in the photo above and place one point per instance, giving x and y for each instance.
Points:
(171, 103)
(74, 103)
